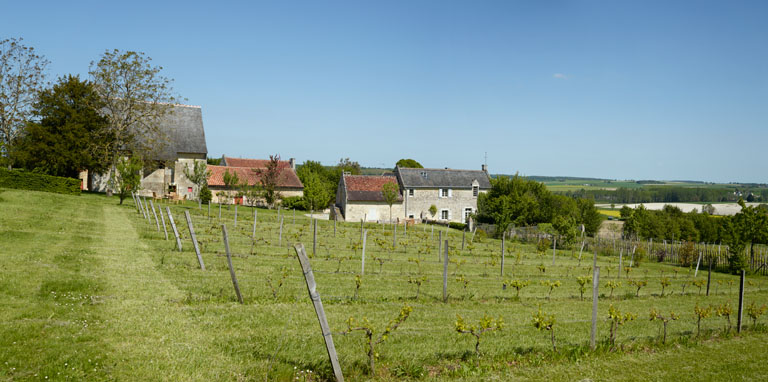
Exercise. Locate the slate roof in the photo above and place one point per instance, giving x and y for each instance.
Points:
(184, 129)
(252, 163)
(441, 178)
(367, 188)
(287, 178)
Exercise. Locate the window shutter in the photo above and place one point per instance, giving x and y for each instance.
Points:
(450, 194)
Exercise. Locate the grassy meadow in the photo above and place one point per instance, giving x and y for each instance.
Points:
(89, 290)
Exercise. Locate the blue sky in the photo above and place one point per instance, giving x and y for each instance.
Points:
(613, 89)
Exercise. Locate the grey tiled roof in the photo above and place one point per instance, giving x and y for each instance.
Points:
(184, 130)
(437, 178)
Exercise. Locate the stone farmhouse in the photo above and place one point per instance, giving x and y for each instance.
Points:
(359, 197)
(453, 192)
(288, 183)
(164, 177)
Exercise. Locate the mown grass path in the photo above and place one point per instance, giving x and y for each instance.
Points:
(72, 308)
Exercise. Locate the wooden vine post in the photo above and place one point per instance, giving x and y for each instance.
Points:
(595, 290)
(365, 236)
(157, 222)
(309, 277)
(194, 239)
(503, 235)
(741, 301)
(445, 273)
(175, 230)
(162, 219)
(229, 263)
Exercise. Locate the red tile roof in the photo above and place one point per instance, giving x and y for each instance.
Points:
(287, 179)
(368, 187)
(252, 163)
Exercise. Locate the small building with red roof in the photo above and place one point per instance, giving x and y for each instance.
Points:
(360, 197)
(248, 174)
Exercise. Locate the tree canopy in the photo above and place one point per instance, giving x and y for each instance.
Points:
(69, 135)
(22, 76)
(408, 163)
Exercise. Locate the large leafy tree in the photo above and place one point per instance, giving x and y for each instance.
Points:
(69, 135)
(318, 180)
(135, 98)
(22, 76)
(315, 192)
(747, 228)
(513, 200)
(268, 179)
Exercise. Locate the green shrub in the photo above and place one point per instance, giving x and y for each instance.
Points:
(296, 202)
(24, 180)
(458, 226)
(205, 195)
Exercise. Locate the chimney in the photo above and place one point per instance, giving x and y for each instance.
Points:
(484, 167)
(292, 162)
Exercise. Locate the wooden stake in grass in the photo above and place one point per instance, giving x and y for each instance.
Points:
(165, 230)
(486, 324)
(445, 273)
(175, 230)
(229, 261)
(741, 302)
(280, 238)
(194, 239)
(157, 222)
(318, 304)
(365, 236)
(595, 292)
(235, 215)
(314, 238)
(502, 256)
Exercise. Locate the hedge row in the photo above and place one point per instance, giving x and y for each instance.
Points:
(25, 180)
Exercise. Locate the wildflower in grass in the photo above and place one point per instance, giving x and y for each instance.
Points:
(486, 324)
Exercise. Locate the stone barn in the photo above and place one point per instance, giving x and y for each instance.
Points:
(164, 172)
(359, 197)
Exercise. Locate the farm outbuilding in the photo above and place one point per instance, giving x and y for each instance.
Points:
(288, 183)
(359, 197)
(184, 144)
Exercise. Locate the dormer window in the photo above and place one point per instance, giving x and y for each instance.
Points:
(424, 174)
(475, 190)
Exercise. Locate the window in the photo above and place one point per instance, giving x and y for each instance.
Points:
(189, 189)
(467, 212)
(475, 190)
(444, 215)
(424, 174)
(410, 216)
(445, 192)
(410, 192)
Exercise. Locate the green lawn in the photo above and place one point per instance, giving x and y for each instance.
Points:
(91, 291)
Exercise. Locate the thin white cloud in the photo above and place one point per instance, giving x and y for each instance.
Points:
(560, 76)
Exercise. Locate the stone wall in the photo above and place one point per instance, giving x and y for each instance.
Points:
(371, 211)
(228, 196)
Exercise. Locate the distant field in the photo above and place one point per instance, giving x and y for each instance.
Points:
(613, 213)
